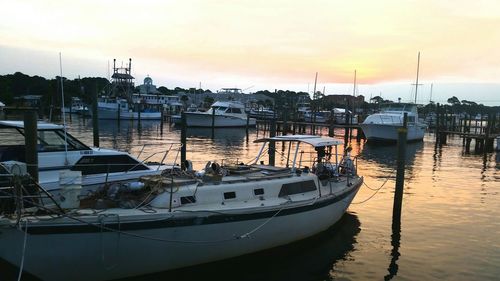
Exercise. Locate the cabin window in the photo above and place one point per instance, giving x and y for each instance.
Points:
(98, 164)
(188, 200)
(236, 110)
(229, 195)
(296, 188)
(258, 191)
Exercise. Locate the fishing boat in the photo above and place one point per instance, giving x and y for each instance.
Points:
(185, 219)
(221, 114)
(60, 152)
(383, 126)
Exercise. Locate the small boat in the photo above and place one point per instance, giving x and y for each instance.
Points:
(224, 114)
(187, 218)
(60, 152)
(262, 113)
(383, 126)
(318, 116)
(339, 116)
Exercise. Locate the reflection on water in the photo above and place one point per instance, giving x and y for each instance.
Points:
(310, 259)
(449, 226)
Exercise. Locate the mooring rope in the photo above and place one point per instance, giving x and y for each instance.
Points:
(376, 190)
(23, 252)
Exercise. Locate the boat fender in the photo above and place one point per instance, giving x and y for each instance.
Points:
(189, 165)
(134, 186)
(215, 168)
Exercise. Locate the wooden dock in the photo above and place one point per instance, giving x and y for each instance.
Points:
(483, 129)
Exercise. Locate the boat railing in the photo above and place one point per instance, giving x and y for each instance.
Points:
(165, 153)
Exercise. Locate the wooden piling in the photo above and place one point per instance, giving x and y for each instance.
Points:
(400, 175)
(272, 144)
(183, 141)
(95, 121)
(30, 139)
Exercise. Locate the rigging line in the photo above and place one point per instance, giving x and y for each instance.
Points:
(24, 252)
(363, 201)
(102, 227)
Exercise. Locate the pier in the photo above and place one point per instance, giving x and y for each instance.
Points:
(483, 129)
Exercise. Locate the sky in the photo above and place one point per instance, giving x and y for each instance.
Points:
(272, 44)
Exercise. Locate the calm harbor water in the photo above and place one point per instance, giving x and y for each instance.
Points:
(449, 229)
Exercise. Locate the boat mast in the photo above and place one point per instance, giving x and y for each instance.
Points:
(315, 97)
(354, 89)
(416, 83)
(63, 115)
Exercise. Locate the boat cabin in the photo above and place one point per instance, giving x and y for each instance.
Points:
(58, 149)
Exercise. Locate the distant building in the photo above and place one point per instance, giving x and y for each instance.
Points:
(148, 87)
(28, 101)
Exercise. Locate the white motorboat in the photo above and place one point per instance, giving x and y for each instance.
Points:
(187, 219)
(262, 113)
(384, 126)
(113, 108)
(317, 116)
(339, 116)
(223, 114)
(60, 152)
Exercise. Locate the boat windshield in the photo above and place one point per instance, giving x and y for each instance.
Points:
(54, 140)
(219, 109)
(400, 107)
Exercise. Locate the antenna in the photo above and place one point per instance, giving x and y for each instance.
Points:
(416, 83)
(63, 115)
(315, 97)
(354, 89)
(430, 98)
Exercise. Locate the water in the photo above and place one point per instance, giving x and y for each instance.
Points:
(449, 228)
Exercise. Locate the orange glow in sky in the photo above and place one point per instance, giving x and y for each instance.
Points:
(266, 42)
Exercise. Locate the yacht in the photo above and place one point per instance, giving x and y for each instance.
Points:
(221, 114)
(186, 219)
(383, 126)
(118, 108)
(60, 152)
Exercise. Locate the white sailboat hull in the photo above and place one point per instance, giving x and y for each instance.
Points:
(166, 240)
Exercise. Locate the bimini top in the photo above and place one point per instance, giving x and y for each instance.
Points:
(309, 139)
(20, 124)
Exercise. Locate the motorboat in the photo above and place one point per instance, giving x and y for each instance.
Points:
(221, 114)
(339, 116)
(317, 116)
(262, 113)
(60, 152)
(77, 106)
(383, 126)
(185, 219)
(117, 108)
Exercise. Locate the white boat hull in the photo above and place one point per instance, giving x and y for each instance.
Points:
(200, 119)
(167, 240)
(386, 132)
(104, 113)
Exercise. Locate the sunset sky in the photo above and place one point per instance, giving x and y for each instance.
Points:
(268, 44)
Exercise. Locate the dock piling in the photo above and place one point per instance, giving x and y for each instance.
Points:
(30, 139)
